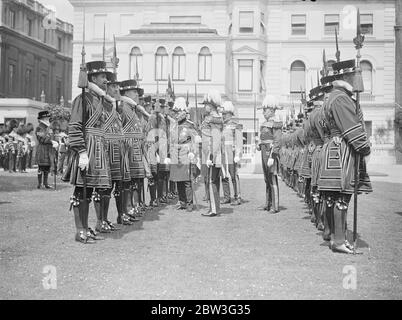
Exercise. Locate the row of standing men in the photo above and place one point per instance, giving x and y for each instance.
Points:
(320, 153)
(119, 137)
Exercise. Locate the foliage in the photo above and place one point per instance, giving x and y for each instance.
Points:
(57, 112)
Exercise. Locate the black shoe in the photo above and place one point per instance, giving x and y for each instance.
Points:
(126, 220)
(47, 186)
(82, 237)
(38, 186)
(209, 214)
(112, 226)
(226, 201)
(236, 202)
(163, 200)
(93, 235)
(273, 211)
(153, 204)
(265, 208)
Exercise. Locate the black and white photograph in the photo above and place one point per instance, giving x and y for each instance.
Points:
(193, 150)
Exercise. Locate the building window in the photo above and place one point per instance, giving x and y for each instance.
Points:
(161, 64)
(30, 27)
(298, 24)
(331, 21)
(136, 63)
(245, 75)
(12, 73)
(179, 64)
(246, 21)
(297, 76)
(185, 19)
(11, 19)
(43, 83)
(59, 43)
(366, 23)
(58, 90)
(28, 82)
(44, 35)
(367, 74)
(99, 22)
(204, 64)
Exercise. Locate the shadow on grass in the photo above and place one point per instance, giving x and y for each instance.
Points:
(399, 212)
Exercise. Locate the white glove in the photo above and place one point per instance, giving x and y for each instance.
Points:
(158, 160)
(270, 162)
(83, 161)
(236, 159)
(167, 161)
(55, 144)
(191, 156)
(367, 159)
(33, 144)
(209, 163)
(197, 139)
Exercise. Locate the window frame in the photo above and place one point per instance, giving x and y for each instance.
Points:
(12, 66)
(362, 25)
(180, 64)
(304, 80)
(139, 64)
(204, 56)
(246, 29)
(238, 75)
(293, 25)
(327, 25)
(12, 18)
(371, 76)
(163, 57)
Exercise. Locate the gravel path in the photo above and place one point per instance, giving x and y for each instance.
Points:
(241, 254)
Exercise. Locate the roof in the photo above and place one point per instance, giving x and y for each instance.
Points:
(21, 102)
(183, 28)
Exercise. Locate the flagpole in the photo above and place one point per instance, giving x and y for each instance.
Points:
(358, 41)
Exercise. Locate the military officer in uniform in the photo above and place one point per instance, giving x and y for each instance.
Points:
(212, 146)
(233, 149)
(268, 143)
(183, 152)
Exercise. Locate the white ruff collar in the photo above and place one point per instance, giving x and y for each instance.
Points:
(128, 100)
(93, 87)
(343, 84)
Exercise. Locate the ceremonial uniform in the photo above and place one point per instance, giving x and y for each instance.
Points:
(133, 129)
(233, 149)
(44, 150)
(89, 150)
(347, 137)
(270, 134)
(212, 134)
(183, 152)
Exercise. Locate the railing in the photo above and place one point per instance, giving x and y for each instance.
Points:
(364, 96)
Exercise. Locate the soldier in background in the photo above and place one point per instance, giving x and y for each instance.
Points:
(268, 143)
(183, 151)
(233, 138)
(212, 146)
(44, 152)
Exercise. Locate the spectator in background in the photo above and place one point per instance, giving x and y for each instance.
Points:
(13, 145)
(46, 143)
(63, 147)
(30, 143)
(22, 149)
